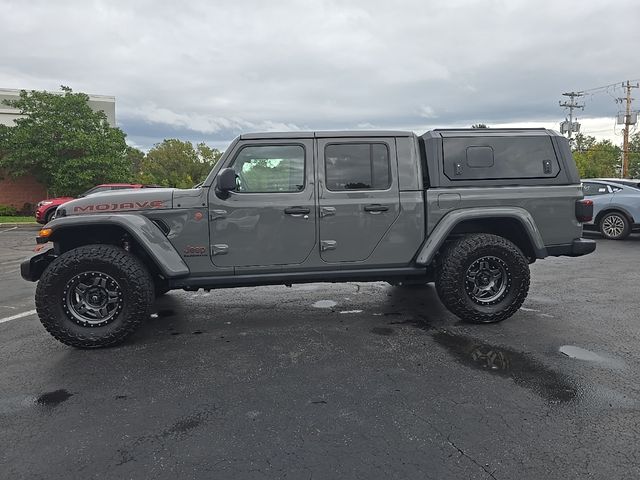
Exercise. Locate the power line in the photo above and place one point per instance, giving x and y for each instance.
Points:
(604, 87)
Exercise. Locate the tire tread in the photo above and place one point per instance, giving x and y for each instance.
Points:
(452, 265)
(140, 289)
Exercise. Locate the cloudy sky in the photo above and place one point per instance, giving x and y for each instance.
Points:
(209, 70)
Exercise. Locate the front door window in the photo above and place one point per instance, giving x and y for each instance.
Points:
(270, 169)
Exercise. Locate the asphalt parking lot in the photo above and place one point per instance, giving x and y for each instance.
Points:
(325, 381)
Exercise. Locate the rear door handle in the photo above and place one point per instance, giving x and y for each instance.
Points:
(376, 208)
(297, 211)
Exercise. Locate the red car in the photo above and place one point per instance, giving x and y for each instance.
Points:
(46, 208)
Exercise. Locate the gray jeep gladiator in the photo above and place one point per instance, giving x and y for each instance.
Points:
(468, 209)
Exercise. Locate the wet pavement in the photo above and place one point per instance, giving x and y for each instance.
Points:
(334, 381)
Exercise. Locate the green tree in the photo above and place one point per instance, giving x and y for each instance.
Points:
(174, 163)
(64, 143)
(596, 159)
(135, 158)
(479, 125)
(634, 156)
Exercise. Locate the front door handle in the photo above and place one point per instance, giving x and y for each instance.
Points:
(297, 211)
(376, 208)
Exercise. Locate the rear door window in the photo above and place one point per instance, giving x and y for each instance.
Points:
(357, 166)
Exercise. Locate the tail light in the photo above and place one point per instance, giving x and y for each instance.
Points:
(584, 210)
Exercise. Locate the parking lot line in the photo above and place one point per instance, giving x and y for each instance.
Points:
(19, 315)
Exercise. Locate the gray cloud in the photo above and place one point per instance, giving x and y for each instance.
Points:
(210, 70)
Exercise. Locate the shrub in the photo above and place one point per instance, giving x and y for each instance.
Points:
(8, 211)
(27, 209)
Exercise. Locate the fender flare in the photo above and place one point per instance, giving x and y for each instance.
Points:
(446, 225)
(142, 230)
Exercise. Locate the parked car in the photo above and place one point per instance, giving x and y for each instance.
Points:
(616, 206)
(46, 208)
(629, 182)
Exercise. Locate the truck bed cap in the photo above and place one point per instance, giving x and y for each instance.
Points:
(489, 132)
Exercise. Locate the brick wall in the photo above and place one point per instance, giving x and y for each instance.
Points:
(18, 191)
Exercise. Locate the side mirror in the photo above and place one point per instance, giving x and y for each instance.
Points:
(226, 182)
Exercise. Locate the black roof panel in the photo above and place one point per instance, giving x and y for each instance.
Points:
(325, 134)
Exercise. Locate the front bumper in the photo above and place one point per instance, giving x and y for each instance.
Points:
(577, 248)
(31, 269)
(39, 215)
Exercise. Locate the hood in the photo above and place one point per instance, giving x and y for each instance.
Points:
(54, 200)
(120, 201)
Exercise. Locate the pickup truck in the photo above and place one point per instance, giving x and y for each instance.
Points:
(466, 209)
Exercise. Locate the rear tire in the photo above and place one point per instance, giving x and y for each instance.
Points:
(482, 278)
(94, 296)
(615, 226)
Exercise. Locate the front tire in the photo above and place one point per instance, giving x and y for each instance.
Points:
(615, 226)
(94, 296)
(483, 278)
(161, 287)
(49, 215)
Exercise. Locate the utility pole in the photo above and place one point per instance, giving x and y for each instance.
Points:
(629, 118)
(570, 126)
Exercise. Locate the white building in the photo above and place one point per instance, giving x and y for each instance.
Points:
(106, 103)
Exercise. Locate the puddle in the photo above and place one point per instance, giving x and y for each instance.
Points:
(53, 399)
(351, 311)
(578, 353)
(324, 304)
(383, 331)
(508, 363)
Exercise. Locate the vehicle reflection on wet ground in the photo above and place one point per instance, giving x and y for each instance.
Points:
(509, 363)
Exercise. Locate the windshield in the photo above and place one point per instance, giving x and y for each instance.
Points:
(94, 190)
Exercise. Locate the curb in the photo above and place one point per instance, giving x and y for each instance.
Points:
(20, 226)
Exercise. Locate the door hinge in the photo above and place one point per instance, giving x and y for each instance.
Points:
(219, 249)
(327, 245)
(326, 211)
